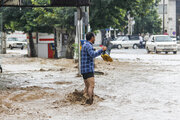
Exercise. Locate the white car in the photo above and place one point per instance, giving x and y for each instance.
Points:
(173, 38)
(161, 43)
(125, 42)
(15, 43)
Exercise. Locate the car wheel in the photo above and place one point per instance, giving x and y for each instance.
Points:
(166, 52)
(155, 50)
(175, 52)
(135, 46)
(0, 69)
(11, 47)
(119, 46)
(147, 50)
(22, 47)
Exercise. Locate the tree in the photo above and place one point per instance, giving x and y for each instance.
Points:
(113, 13)
(40, 20)
(27, 20)
(148, 22)
(103, 14)
(151, 23)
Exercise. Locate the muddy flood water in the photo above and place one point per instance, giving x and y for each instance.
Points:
(47, 89)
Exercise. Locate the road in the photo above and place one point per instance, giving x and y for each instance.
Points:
(141, 54)
(136, 86)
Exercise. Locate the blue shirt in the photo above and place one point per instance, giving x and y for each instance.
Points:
(87, 57)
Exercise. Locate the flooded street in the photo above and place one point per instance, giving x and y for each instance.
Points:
(136, 86)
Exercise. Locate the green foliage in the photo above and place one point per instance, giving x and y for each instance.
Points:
(113, 13)
(65, 18)
(38, 19)
(149, 22)
(103, 14)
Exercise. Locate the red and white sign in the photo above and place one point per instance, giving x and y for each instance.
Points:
(45, 38)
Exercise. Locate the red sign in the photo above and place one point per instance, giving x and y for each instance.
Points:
(46, 39)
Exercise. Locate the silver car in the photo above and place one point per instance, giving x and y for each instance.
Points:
(126, 42)
(15, 43)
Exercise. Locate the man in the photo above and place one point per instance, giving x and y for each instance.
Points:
(146, 38)
(141, 41)
(87, 65)
(109, 45)
(165, 32)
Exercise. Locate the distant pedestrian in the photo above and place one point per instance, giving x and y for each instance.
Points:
(141, 41)
(113, 37)
(165, 32)
(146, 38)
(87, 65)
(109, 45)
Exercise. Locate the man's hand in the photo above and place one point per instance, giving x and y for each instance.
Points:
(104, 48)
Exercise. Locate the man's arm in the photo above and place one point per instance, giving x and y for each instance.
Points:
(94, 54)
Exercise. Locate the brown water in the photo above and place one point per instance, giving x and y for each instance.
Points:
(46, 89)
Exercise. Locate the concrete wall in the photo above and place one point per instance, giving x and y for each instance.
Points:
(171, 20)
(170, 17)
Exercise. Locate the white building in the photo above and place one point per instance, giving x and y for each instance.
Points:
(169, 15)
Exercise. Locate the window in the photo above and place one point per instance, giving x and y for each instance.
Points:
(163, 39)
(12, 39)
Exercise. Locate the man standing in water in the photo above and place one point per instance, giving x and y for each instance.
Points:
(87, 65)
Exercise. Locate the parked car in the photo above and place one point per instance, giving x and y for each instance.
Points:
(15, 43)
(24, 41)
(126, 42)
(173, 38)
(161, 43)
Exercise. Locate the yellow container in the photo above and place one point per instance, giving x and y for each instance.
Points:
(106, 57)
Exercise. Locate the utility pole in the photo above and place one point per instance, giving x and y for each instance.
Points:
(163, 15)
(83, 24)
(88, 27)
(79, 36)
(1, 35)
(3, 42)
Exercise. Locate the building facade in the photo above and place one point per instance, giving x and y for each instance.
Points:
(171, 16)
